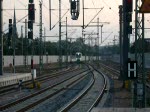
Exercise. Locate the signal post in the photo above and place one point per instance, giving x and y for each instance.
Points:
(31, 19)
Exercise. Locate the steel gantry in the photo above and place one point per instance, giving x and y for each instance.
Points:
(139, 83)
(74, 7)
(60, 49)
(25, 57)
(139, 100)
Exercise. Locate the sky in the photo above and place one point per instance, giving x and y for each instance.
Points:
(108, 14)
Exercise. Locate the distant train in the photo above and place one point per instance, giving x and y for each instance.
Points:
(11, 79)
(78, 56)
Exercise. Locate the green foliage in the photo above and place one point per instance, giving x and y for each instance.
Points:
(52, 48)
(146, 46)
(113, 49)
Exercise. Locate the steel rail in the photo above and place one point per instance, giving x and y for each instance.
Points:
(71, 104)
(3, 107)
(41, 78)
(117, 72)
(49, 96)
(67, 107)
(102, 92)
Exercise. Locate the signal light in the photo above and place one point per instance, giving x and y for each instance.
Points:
(30, 24)
(129, 5)
(10, 21)
(129, 17)
(31, 12)
(10, 32)
(30, 35)
(10, 27)
(31, 1)
(73, 5)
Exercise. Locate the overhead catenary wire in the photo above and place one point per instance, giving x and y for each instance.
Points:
(65, 5)
(22, 3)
(94, 17)
(106, 38)
(61, 19)
(94, 5)
(16, 23)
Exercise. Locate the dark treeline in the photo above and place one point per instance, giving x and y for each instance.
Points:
(115, 49)
(52, 48)
(146, 46)
(48, 47)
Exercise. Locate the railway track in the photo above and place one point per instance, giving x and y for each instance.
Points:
(90, 96)
(6, 89)
(82, 91)
(147, 84)
(111, 64)
(116, 73)
(17, 94)
(34, 99)
(115, 70)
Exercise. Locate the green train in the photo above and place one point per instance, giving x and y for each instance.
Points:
(78, 56)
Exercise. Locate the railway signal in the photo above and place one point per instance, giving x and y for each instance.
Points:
(30, 35)
(10, 26)
(75, 9)
(30, 24)
(31, 1)
(128, 10)
(30, 32)
(10, 32)
(129, 5)
(31, 12)
(31, 17)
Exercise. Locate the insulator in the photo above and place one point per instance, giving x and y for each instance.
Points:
(74, 9)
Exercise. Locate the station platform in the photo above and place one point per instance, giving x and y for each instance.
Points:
(120, 110)
(13, 78)
(11, 74)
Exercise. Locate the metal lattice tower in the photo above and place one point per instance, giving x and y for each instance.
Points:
(40, 34)
(1, 39)
(22, 38)
(97, 55)
(66, 43)
(26, 45)
(139, 47)
(60, 50)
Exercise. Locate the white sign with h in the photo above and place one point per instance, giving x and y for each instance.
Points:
(132, 69)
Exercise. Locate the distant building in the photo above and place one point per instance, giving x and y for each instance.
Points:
(15, 34)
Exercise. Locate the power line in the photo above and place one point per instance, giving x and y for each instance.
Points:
(61, 19)
(94, 17)
(22, 3)
(16, 23)
(94, 5)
